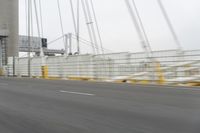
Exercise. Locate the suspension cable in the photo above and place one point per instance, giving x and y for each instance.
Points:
(26, 15)
(61, 21)
(31, 25)
(73, 15)
(51, 42)
(78, 26)
(84, 41)
(88, 27)
(29, 42)
(31, 18)
(172, 30)
(137, 26)
(142, 26)
(97, 26)
(41, 19)
(92, 26)
(38, 28)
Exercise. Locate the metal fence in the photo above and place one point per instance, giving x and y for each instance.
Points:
(163, 67)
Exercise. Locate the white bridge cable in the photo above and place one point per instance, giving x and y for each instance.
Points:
(82, 40)
(142, 27)
(76, 22)
(73, 15)
(29, 20)
(91, 23)
(172, 30)
(38, 28)
(31, 24)
(78, 26)
(97, 26)
(26, 15)
(88, 27)
(41, 19)
(26, 18)
(29, 33)
(61, 21)
(137, 26)
(53, 41)
(88, 43)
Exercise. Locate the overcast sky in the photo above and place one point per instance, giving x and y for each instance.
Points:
(117, 30)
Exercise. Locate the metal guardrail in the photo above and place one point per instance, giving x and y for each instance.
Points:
(168, 67)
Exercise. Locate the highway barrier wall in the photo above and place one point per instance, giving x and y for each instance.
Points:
(164, 67)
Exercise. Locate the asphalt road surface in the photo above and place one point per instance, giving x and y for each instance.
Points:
(47, 106)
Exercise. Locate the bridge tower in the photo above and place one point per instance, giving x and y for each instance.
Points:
(9, 27)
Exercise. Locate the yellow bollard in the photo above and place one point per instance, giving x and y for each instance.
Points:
(161, 78)
(1, 72)
(45, 72)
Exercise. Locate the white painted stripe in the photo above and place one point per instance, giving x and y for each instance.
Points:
(77, 93)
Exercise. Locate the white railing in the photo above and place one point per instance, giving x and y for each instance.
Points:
(163, 67)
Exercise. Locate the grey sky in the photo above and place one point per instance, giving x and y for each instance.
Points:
(117, 29)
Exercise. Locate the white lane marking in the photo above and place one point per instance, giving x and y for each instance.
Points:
(77, 93)
(3, 84)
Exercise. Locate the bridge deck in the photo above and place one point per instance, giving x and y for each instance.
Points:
(43, 106)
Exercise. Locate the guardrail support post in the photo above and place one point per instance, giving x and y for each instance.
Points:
(45, 72)
(161, 78)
